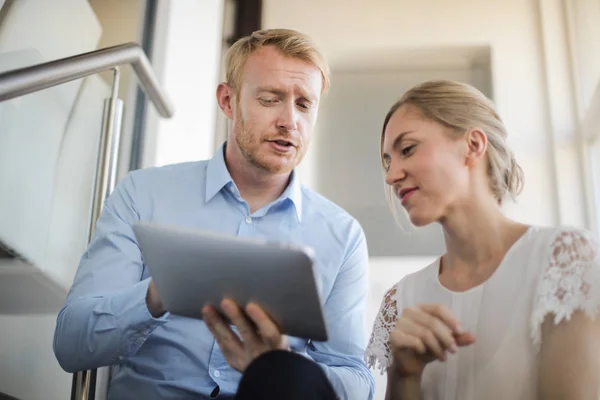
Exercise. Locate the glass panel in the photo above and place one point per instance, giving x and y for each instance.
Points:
(48, 155)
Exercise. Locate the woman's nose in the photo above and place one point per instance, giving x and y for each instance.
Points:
(394, 174)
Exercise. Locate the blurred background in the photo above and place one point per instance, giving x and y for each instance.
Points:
(539, 60)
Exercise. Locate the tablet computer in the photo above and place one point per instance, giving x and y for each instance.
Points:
(193, 268)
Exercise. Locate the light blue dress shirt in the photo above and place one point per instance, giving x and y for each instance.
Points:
(105, 320)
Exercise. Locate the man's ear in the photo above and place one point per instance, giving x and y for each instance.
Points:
(477, 143)
(226, 98)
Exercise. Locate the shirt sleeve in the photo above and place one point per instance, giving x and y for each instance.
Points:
(378, 352)
(569, 281)
(341, 357)
(105, 318)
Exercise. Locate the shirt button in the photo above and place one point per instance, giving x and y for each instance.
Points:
(217, 374)
(248, 220)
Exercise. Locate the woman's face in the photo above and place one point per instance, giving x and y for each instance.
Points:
(425, 166)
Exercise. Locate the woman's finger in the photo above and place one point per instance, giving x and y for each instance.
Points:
(400, 340)
(436, 326)
(426, 336)
(464, 339)
(443, 313)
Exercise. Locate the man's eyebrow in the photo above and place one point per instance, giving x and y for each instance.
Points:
(270, 89)
(303, 93)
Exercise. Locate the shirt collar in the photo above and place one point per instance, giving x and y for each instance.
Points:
(294, 193)
(217, 177)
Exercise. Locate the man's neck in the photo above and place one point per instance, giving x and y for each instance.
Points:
(257, 186)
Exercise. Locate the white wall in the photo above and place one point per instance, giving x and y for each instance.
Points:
(188, 55)
(350, 122)
(585, 21)
(346, 29)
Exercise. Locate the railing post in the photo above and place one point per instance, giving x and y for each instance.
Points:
(93, 384)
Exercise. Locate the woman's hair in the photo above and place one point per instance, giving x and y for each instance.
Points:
(460, 107)
(288, 42)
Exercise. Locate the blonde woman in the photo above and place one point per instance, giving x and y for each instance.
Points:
(510, 310)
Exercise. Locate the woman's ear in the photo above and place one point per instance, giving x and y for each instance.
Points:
(477, 142)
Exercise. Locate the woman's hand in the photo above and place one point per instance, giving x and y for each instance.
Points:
(424, 333)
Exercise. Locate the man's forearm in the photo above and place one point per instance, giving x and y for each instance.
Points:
(93, 332)
(350, 383)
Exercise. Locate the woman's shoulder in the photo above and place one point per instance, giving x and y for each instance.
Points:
(412, 282)
(546, 244)
(569, 277)
(378, 350)
(557, 235)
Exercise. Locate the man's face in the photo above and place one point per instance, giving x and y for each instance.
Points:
(275, 110)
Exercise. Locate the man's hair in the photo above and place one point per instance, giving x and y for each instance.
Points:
(288, 42)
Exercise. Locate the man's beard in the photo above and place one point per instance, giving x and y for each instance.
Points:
(251, 149)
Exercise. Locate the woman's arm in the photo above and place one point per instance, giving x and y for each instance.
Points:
(402, 388)
(565, 318)
(570, 358)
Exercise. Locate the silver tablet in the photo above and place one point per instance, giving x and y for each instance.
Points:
(194, 268)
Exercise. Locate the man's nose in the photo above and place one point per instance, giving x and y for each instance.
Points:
(288, 117)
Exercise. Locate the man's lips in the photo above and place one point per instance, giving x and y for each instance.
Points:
(282, 146)
(283, 142)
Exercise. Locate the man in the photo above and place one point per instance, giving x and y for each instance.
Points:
(113, 314)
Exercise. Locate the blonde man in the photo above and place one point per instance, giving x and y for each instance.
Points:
(114, 316)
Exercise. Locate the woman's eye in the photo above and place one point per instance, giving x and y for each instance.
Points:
(407, 150)
(386, 165)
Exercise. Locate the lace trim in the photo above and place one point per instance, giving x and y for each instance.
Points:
(378, 352)
(571, 281)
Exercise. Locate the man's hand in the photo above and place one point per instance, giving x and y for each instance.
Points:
(153, 301)
(258, 335)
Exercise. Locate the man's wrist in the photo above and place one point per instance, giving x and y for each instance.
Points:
(153, 302)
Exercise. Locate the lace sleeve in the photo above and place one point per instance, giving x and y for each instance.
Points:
(570, 281)
(378, 350)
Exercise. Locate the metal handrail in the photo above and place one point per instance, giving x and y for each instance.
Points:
(22, 81)
(27, 80)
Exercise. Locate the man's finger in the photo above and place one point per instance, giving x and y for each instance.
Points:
(266, 327)
(246, 329)
(228, 341)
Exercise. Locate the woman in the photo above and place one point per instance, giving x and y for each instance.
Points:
(509, 311)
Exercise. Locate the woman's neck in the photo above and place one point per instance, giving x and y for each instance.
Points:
(477, 237)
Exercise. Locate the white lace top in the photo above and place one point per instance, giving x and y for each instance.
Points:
(547, 271)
